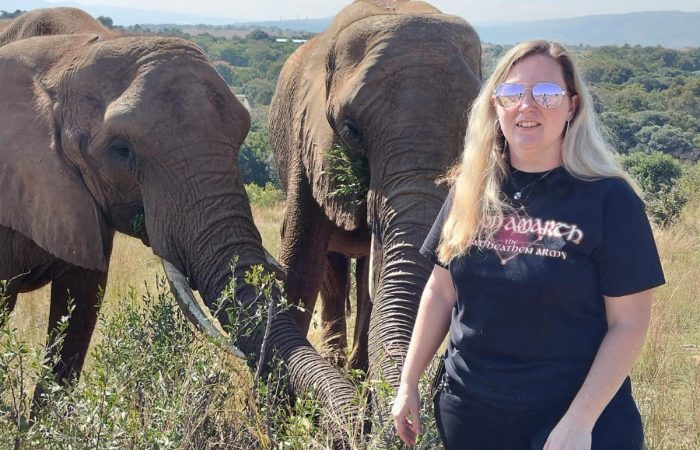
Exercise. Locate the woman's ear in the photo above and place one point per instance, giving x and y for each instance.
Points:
(573, 107)
(43, 196)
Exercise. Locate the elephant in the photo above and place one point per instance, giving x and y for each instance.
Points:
(104, 133)
(382, 92)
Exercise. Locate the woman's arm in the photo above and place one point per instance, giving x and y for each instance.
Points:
(432, 323)
(628, 320)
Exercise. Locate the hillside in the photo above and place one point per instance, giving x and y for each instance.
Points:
(671, 29)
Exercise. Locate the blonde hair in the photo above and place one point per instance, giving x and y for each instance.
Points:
(477, 201)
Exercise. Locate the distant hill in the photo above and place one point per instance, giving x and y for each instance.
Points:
(673, 29)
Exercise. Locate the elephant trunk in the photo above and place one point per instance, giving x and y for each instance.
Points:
(224, 232)
(306, 371)
(399, 274)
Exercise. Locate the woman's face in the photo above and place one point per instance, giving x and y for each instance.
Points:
(534, 134)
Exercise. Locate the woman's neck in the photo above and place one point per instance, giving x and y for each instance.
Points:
(535, 162)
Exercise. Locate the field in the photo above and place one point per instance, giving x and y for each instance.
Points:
(666, 377)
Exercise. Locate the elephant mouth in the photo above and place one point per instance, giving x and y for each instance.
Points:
(192, 309)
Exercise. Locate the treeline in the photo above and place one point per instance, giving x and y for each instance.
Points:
(11, 15)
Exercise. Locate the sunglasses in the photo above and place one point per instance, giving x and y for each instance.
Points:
(546, 95)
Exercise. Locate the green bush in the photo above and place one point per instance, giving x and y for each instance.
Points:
(658, 175)
(690, 182)
(264, 197)
(255, 158)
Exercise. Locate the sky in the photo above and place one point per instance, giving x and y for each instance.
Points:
(474, 11)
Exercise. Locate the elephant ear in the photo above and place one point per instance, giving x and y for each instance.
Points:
(321, 147)
(43, 197)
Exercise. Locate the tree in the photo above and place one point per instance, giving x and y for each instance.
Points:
(259, 35)
(106, 21)
(620, 130)
(604, 71)
(650, 82)
(630, 99)
(11, 15)
(255, 158)
(225, 71)
(233, 54)
(669, 139)
(658, 174)
(650, 117)
(259, 91)
(666, 139)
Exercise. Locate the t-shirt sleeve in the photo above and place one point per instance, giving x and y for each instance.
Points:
(430, 245)
(627, 260)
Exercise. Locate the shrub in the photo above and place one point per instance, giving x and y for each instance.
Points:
(658, 175)
(255, 157)
(264, 197)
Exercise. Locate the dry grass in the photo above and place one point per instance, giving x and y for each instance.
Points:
(133, 266)
(268, 221)
(666, 377)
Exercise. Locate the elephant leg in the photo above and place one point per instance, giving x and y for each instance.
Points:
(335, 293)
(84, 287)
(305, 236)
(358, 357)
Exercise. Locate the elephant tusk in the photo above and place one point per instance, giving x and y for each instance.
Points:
(192, 310)
(376, 254)
(280, 273)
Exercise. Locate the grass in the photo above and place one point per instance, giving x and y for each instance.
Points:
(667, 374)
(200, 399)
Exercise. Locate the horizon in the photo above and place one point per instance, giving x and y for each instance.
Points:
(479, 13)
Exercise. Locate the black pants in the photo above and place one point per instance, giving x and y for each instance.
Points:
(465, 423)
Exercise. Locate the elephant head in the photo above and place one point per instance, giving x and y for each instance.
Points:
(103, 132)
(388, 84)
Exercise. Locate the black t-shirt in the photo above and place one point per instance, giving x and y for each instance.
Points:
(530, 312)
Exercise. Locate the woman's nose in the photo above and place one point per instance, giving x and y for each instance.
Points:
(528, 101)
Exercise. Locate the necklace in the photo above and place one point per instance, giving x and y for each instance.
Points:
(519, 190)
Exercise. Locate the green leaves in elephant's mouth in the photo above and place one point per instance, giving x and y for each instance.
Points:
(349, 174)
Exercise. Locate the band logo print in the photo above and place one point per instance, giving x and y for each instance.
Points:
(520, 234)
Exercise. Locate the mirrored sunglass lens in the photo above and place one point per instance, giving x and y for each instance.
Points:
(547, 95)
(508, 95)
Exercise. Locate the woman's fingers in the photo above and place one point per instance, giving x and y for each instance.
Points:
(406, 412)
(406, 432)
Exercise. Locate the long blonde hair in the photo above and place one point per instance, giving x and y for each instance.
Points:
(477, 179)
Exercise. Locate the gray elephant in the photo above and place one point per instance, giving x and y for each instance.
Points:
(384, 89)
(102, 131)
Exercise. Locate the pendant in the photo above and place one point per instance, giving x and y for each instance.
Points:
(517, 195)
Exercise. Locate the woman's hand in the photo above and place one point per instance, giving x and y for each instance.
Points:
(569, 434)
(406, 412)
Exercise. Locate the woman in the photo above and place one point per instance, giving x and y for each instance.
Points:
(544, 264)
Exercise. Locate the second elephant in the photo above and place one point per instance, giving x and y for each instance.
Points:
(382, 93)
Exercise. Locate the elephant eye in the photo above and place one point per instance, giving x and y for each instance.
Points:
(351, 133)
(120, 149)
